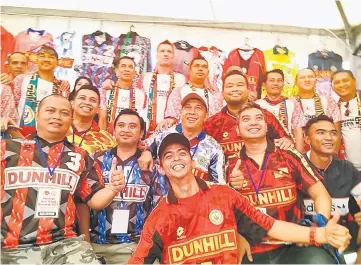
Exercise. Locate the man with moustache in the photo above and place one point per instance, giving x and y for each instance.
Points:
(344, 84)
(287, 111)
(43, 177)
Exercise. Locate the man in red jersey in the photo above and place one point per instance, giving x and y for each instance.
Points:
(222, 126)
(275, 181)
(41, 179)
(198, 222)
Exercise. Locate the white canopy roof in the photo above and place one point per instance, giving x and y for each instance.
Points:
(306, 13)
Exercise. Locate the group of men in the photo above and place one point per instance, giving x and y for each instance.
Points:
(173, 170)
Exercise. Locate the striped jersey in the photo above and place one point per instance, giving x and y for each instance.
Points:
(36, 207)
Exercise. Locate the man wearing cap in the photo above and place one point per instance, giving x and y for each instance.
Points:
(29, 90)
(207, 154)
(198, 222)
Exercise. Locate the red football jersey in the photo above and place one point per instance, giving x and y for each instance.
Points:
(222, 127)
(281, 187)
(181, 231)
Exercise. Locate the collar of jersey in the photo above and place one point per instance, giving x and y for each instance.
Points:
(94, 127)
(113, 151)
(270, 148)
(44, 142)
(200, 136)
(225, 111)
(172, 198)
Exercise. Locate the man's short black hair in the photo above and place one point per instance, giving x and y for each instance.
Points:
(131, 112)
(88, 87)
(199, 57)
(276, 71)
(316, 120)
(234, 72)
(342, 71)
(116, 61)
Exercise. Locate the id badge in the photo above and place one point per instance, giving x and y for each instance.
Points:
(120, 221)
(48, 203)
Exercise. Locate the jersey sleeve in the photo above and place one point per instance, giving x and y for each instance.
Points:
(252, 224)
(216, 170)
(150, 245)
(174, 104)
(302, 171)
(91, 180)
(275, 129)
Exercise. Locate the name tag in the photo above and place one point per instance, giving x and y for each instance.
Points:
(120, 221)
(48, 203)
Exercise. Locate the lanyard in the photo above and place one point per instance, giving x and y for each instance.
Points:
(83, 135)
(195, 150)
(262, 175)
(51, 171)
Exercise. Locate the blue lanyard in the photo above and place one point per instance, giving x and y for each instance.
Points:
(195, 150)
(51, 171)
(262, 175)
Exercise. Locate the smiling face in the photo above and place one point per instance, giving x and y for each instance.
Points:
(322, 136)
(54, 116)
(252, 124)
(193, 114)
(86, 103)
(128, 130)
(176, 162)
(235, 91)
(344, 85)
(198, 71)
(274, 84)
(47, 60)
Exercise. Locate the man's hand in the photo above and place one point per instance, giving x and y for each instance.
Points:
(244, 248)
(252, 96)
(334, 234)
(237, 178)
(108, 84)
(145, 161)
(6, 79)
(117, 179)
(284, 143)
(7, 123)
(165, 124)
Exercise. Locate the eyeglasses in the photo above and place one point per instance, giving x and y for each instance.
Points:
(347, 111)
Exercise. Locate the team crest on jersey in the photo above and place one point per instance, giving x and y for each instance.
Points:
(281, 172)
(180, 232)
(225, 135)
(216, 217)
(28, 115)
(25, 177)
(333, 68)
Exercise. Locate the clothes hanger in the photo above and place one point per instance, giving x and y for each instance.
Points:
(99, 32)
(246, 46)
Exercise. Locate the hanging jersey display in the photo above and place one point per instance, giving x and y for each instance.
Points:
(98, 53)
(215, 59)
(7, 47)
(67, 46)
(253, 65)
(324, 63)
(184, 53)
(139, 48)
(30, 40)
(282, 58)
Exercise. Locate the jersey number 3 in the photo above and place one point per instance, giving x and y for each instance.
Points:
(74, 163)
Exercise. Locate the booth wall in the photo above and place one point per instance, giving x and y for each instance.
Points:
(226, 40)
